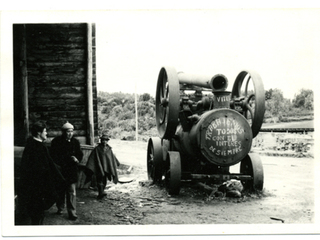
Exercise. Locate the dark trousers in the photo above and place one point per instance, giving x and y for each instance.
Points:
(70, 195)
(101, 184)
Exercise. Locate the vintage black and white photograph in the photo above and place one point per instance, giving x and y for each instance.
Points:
(159, 121)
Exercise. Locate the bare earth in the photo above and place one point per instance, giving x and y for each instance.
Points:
(288, 197)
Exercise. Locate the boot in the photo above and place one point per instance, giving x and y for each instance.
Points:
(101, 192)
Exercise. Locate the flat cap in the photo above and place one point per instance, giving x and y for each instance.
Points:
(67, 125)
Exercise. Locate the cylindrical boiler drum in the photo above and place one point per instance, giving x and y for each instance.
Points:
(223, 136)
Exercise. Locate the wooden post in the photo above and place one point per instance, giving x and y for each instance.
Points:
(20, 73)
(136, 110)
(24, 72)
(90, 121)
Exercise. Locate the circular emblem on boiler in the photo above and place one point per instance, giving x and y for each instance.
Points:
(226, 137)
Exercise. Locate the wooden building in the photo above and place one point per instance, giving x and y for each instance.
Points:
(55, 79)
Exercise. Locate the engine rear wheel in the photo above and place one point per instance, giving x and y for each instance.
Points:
(250, 99)
(167, 102)
(252, 165)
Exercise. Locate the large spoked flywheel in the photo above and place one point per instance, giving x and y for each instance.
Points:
(252, 165)
(155, 160)
(249, 98)
(173, 173)
(167, 102)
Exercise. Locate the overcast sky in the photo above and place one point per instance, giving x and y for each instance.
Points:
(281, 45)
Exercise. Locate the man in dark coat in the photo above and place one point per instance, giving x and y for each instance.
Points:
(39, 178)
(103, 164)
(66, 153)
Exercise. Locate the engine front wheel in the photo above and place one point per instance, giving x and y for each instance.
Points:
(155, 160)
(173, 173)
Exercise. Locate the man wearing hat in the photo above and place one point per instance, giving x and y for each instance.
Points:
(103, 164)
(66, 152)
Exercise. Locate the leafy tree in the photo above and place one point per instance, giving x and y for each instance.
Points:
(106, 109)
(304, 99)
(117, 113)
(308, 104)
(268, 94)
(145, 97)
(110, 123)
(117, 110)
(126, 115)
(145, 108)
(276, 105)
(127, 125)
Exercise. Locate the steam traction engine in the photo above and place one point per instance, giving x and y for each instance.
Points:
(203, 129)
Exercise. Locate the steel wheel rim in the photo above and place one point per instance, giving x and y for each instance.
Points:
(167, 102)
(259, 94)
(154, 160)
(252, 165)
(173, 174)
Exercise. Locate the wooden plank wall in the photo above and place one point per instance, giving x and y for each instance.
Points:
(21, 110)
(57, 71)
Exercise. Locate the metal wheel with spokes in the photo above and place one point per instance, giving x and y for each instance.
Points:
(251, 104)
(252, 165)
(155, 160)
(167, 102)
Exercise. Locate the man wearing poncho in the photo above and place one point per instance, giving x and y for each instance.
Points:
(103, 164)
(40, 179)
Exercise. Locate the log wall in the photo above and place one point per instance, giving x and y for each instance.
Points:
(56, 60)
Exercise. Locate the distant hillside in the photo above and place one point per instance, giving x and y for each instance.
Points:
(117, 114)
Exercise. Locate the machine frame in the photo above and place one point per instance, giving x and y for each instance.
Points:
(203, 133)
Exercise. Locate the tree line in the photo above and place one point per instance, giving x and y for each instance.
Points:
(116, 112)
(280, 109)
(116, 115)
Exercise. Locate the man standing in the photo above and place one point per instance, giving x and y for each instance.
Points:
(66, 152)
(39, 178)
(103, 163)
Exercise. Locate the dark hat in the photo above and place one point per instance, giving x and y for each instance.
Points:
(105, 136)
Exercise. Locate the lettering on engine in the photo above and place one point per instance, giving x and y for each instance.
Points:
(224, 136)
(223, 98)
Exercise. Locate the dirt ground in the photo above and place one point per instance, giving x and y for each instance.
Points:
(287, 197)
